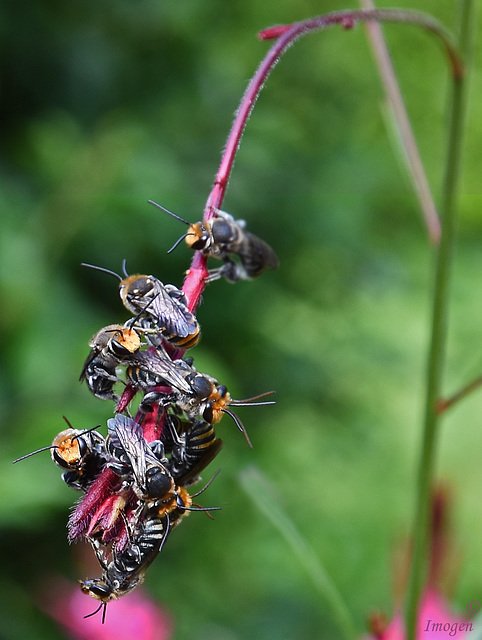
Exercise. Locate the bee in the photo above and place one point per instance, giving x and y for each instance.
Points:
(206, 398)
(127, 568)
(192, 447)
(163, 305)
(111, 346)
(223, 237)
(154, 368)
(81, 453)
(132, 457)
(210, 399)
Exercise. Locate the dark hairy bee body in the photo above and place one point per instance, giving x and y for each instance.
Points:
(126, 569)
(192, 445)
(165, 307)
(223, 237)
(159, 308)
(111, 346)
(154, 368)
(82, 455)
(133, 459)
(205, 398)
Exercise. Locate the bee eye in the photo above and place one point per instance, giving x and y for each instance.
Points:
(119, 349)
(59, 460)
(223, 232)
(208, 414)
(141, 287)
(157, 483)
(201, 386)
(98, 590)
(83, 447)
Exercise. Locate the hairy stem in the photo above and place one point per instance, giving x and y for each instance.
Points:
(286, 35)
(436, 355)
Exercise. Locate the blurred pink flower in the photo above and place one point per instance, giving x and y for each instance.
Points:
(435, 622)
(134, 617)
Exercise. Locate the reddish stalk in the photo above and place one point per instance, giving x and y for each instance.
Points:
(98, 496)
(287, 34)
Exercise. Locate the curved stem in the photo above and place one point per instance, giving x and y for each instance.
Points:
(287, 34)
(436, 356)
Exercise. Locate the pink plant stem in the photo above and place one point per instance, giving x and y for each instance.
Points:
(404, 128)
(287, 34)
(195, 281)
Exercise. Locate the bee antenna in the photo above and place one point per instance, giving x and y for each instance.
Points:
(178, 242)
(168, 530)
(240, 425)
(82, 433)
(124, 268)
(131, 322)
(198, 507)
(174, 215)
(102, 604)
(53, 446)
(198, 493)
(32, 453)
(69, 424)
(93, 266)
(249, 401)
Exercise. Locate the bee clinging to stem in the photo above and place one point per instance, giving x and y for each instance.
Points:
(223, 237)
(80, 453)
(158, 307)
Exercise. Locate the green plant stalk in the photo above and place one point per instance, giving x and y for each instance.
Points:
(256, 486)
(436, 356)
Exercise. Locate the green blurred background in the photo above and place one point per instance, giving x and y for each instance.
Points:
(108, 104)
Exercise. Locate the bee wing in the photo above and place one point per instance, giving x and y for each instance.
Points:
(171, 313)
(262, 250)
(127, 434)
(163, 367)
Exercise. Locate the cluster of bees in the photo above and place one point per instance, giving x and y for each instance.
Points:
(136, 480)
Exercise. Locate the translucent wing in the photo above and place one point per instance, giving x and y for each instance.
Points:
(162, 367)
(171, 313)
(127, 435)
